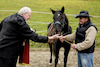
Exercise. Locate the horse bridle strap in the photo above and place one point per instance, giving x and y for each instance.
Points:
(56, 23)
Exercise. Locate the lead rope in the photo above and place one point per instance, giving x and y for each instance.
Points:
(74, 51)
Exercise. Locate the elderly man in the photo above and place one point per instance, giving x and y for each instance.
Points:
(84, 39)
(13, 31)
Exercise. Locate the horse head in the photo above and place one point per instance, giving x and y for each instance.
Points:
(59, 20)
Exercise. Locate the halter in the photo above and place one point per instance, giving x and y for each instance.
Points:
(56, 23)
(60, 23)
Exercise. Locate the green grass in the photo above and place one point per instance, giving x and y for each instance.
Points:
(71, 7)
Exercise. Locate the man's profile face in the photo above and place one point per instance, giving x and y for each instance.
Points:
(83, 20)
(26, 16)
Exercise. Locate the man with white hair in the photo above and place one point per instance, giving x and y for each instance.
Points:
(13, 31)
(25, 12)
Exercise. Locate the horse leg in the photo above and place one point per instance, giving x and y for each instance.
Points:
(50, 45)
(65, 57)
(56, 57)
(67, 48)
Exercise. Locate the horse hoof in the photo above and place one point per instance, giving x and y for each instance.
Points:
(50, 64)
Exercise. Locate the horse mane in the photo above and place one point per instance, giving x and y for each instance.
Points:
(65, 29)
(66, 19)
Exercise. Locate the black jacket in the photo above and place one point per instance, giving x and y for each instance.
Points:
(13, 31)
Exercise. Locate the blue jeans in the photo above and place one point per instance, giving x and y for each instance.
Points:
(85, 59)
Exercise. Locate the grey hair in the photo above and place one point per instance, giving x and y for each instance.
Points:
(24, 10)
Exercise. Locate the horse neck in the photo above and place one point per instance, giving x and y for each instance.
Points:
(66, 19)
(65, 28)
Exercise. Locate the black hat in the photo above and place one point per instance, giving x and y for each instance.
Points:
(83, 14)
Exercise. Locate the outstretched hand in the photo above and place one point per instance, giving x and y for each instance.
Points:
(56, 36)
(62, 38)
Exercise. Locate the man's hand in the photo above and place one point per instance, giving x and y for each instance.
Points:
(54, 37)
(73, 46)
(62, 38)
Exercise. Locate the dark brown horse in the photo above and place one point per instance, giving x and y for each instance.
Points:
(60, 26)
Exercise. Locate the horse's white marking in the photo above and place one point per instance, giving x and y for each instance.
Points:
(58, 15)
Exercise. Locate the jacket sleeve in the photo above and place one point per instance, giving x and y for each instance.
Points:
(70, 37)
(29, 34)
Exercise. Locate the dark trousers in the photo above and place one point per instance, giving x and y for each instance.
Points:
(6, 62)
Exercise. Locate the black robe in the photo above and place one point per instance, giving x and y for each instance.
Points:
(13, 31)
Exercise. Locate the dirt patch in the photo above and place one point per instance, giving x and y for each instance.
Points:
(40, 58)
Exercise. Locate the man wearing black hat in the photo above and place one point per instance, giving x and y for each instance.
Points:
(84, 39)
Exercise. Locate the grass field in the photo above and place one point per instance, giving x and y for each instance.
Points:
(41, 15)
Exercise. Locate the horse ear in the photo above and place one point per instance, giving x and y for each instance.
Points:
(62, 10)
(52, 11)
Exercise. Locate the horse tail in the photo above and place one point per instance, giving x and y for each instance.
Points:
(53, 49)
